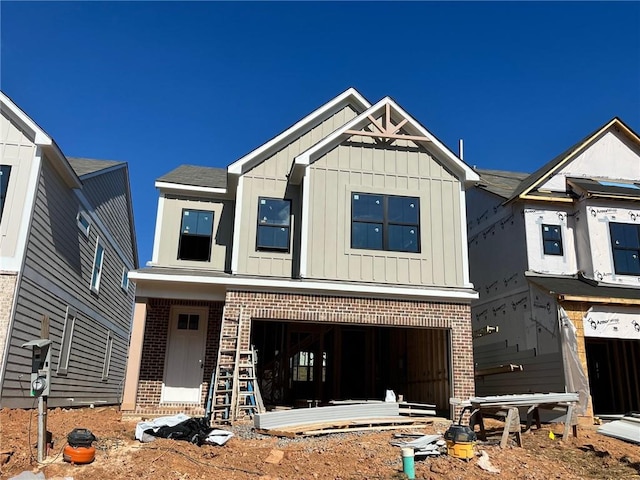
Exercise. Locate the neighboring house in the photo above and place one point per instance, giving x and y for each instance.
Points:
(562, 243)
(340, 248)
(67, 243)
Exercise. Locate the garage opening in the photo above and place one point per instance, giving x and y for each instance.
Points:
(305, 364)
(614, 375)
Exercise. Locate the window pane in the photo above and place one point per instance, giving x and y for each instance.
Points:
(274, 212)
(193, 322)
(367, 207)
(551, 232)
(403, 238)
(5, 171)
(403, 210)
(183, 321)
(625, 235)
(189, 222)
(366, 235)
(273, 237)
(552, 247)
(205, 223)
(627, 261)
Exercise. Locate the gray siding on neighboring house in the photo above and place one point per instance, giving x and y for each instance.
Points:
(401, 169)
(108, 194)
(269, 179)
(57, 273)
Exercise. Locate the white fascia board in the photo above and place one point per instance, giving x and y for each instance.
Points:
(306, 157)
(38, 135)
(340, 288)
(304, 225)
(158, 234)
(189, 188)
(41, 139)
(237, 167)
(235, 245)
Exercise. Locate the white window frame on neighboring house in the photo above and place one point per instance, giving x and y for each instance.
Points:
(107, 356)
(124, 283)
(84, 223)
(66, 341)
(98, 262)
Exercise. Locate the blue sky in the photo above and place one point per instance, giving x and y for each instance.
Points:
(160, 84)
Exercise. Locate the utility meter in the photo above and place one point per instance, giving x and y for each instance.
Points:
(40, 366)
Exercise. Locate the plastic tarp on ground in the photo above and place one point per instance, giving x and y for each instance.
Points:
(181, 427)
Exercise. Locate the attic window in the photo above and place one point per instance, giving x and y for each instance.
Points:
(83, 223)
(195, 235)
(552, 239)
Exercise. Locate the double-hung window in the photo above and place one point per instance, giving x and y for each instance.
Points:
(196, 231)
(385, 222)
(65, 342)
(625, 244)
(98, 260)
(274, 224)
(552, 239)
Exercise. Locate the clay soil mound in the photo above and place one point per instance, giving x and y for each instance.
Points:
(343, 456)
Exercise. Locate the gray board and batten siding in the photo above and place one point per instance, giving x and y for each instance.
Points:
(402, 169)
(269, 179)
(57, 274)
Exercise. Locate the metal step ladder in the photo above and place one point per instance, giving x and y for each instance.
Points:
(248, 400)
(233, 391)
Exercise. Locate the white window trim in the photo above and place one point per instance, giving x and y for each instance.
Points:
(82, 215)
(96, 287)
(124, 283)
(65, 346)
(107, 356)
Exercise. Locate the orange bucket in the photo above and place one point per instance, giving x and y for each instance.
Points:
(79, 455)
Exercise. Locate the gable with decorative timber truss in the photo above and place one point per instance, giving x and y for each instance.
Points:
(386, 123)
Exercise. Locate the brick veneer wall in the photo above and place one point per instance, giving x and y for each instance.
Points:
(307, 308)
(364, 311)
(155, 346)
(7, 292)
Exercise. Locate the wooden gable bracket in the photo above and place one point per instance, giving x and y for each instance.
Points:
(387, 132)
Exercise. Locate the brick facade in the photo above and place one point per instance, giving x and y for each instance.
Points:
(7, 293)
(155, 346)
(305, 308)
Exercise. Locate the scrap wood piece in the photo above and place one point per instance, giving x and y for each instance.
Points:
(359, 425)
(274, 457)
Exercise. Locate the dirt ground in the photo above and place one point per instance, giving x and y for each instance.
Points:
(343, 456)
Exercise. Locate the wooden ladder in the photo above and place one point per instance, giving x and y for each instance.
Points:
(247, 399)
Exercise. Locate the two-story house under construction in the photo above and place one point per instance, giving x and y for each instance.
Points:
(555, 256)
(67, 243)
(337, 250)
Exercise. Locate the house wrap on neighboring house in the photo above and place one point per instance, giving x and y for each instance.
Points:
(67, 243)
(339, 247)
(556, 248)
